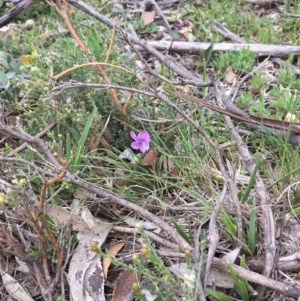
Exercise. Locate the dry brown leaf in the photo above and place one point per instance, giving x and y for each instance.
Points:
(85, 275)
(148, 17)
(149, 158)
(12, 286)
(290, 117)
(6, 31)
(113, 250)
(80, 193)
(62, 216)
(230, 76)
(172, 169)
(123, 286)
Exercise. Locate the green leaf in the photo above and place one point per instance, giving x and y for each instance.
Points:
(208, 52)
(240, 286)
(68, 146)
(294, 212)
(4, 54)
(251, 182)
(83, 138)
(3, 59)
(94, 35)
(4, 82)
(10, 74)
(218, 295)
(180, 231)
(14, 65)
(74, 133)
(93, 43)
(229, 223)
(252, 228)
(241, 289)
(233, 273)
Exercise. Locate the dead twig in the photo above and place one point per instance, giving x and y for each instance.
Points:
(289, 290)
(214, 235)
(185, 75)
(226, 32)
(32, 140)
(289, 263)
(150, 234)
(264, 2)
(61, 9)
(234, 37)
(196, 47)
(161, 14)
(213, 145)
(102, 193)
(39, 135)
(115, 199)
(286, 129)
(261, 191)
(281, 63)
(72, 85)
(18, 9)
(15, 247)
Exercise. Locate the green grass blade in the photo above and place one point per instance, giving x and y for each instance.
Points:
(240, 286)
(208, 53)
(83, 137)
(218, 295)
(251, 182)
(229, 224)
(68, 146)
(252, 229)
(180, 231)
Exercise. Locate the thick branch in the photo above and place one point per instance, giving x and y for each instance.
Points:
(14, 12)
(196, 47)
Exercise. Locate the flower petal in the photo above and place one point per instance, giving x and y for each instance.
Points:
(133, 135)
(144, 136)
(144, 147)
(135, 145)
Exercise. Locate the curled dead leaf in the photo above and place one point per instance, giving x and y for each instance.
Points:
(230, 76)
(123, 287)
(113, 250)
(149, 158)
(148, 17)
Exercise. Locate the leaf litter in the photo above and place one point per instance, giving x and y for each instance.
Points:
(85, 272)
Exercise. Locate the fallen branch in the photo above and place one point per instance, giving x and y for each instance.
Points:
(286, 289)
(13, 13)
(264, 2)
(257, 265)
(220, 28)
(280, 128)
(196, 47)
(261, 191)
(185, 75)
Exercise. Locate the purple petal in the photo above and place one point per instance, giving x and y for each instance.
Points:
(144, 147)
(133, 135)
(180, 25)
(135, 145)
(144, 136)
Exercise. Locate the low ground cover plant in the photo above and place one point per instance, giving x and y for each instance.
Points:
(135, 165)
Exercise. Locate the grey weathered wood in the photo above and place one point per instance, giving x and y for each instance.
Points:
(196, 47)
(19, 8)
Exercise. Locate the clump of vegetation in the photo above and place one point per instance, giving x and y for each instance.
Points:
(115, 158)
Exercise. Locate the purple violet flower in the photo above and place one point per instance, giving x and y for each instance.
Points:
(180, 25)
(141, 141)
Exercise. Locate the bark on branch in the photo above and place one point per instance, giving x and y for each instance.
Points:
(196, 47)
